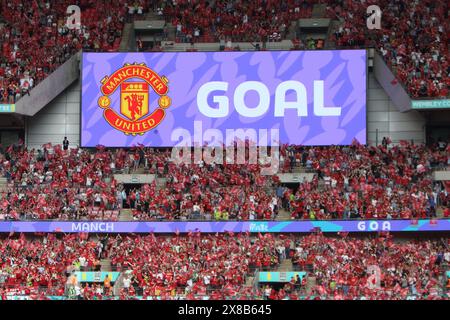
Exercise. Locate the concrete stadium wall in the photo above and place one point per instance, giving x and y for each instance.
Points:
(295, 177)
(134, 178)
(59, 119)
(52, 87)
(383, 115)
(441, 175)
(62, 118)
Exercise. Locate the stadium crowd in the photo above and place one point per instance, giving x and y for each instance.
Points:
(413, 40)
(366, 182)
(155, 266)
(79, 184)
(244, 21)
(192, 265)
(376, 268)
(43, 262)
(208, 191)
(218, 266)
(35, 39)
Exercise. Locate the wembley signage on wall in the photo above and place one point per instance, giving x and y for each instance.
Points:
(214, 98)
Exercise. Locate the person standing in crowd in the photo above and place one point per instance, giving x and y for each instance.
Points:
(137, 160)
(267, 291)
(65, 143)
(126, 283)
(442, 145)
(107, 285)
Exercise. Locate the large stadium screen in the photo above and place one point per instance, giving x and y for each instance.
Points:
(210, 98)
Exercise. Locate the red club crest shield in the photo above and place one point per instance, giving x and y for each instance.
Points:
(135, 115)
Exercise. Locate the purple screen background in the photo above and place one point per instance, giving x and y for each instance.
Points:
(343, 73)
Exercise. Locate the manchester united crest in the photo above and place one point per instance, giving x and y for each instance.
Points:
(135, 116)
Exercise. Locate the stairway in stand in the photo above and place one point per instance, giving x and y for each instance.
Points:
(300, 169)
(125, 215)
(3, 184)
(319, 11)
(161, 183)
(283, 215)
(125, 41)
(105, 265)
(310, 284)
(285, 266)
(153, 16)
(250, 281)
(139, 170)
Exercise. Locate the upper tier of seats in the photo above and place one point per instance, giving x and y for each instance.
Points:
(350, 182)
(34, 40)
